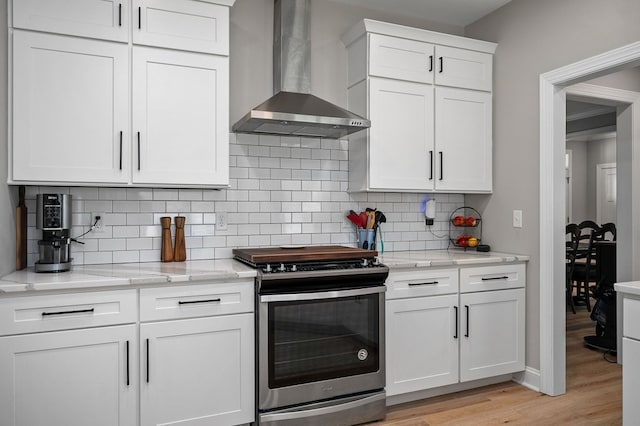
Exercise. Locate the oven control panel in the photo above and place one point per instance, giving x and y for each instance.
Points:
(270, 268)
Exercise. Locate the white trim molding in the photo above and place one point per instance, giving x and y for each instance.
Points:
(552, 150)
(529, 378)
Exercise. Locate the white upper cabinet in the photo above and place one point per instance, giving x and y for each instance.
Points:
(70, 109)
(104, 19)
(90, 105)
(428, 96)
(180, 117)
(199, 26)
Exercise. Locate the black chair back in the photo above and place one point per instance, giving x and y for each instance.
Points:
(610, 231)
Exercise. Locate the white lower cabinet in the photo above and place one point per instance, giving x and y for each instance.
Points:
(438, 335)
(492, 328)
(422, 349)
(197, 371)
(72, 378)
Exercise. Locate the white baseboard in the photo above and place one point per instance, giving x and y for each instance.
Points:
(529, 378)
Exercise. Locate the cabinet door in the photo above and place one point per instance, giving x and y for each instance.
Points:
(630, 380)
(400, 59)
(104, 19)
(492, 333)
(422, 343)
(72, 378)
(180, 118)
(401, 135)
(182, 24)
(70, 109)
(197, 371)
(463, 68)
(463, 137)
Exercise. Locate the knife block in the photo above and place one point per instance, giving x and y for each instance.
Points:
(166, 251)
(180, 249)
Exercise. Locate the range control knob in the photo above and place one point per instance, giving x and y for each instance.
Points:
(268, 268)
(282, 268)
(365, 263)
(294, 268)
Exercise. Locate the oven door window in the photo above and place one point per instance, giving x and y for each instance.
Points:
(322, 339)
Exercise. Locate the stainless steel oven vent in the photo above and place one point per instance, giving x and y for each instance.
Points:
(293, 110)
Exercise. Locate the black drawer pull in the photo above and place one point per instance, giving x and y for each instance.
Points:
(127, 363)
(119, 14)
(495, 278)
(430, 63)
(430, 165)
(190, 302)
(441, 171)
(455, 308)
(138, 150)
(466, 308)
(441, 65)
(147, 360)
(139, 18)
(121, 150)
(424, 283)
(78, 311)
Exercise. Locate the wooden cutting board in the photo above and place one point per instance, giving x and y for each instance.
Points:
(21, 231)
(285, 254)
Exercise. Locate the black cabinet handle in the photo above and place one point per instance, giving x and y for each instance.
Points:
(147, 360)
(441, 64)
(466, 308)
(424, 283)
(441, 171)
(455, 310)
(119, 14)
(188, 302)
(127, 363)
(138, 150)
(78, 311)
(430, 165)
(495, 278)
(430, 63)
(139, 18)
(120, 149)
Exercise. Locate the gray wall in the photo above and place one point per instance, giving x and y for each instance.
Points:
(535, 37)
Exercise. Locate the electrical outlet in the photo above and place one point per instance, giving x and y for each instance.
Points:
(517, 218)
(221, 221)
(98, 219)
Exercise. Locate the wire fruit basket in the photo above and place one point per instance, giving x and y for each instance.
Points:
(465, 228)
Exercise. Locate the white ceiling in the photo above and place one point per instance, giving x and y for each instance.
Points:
(453, 12)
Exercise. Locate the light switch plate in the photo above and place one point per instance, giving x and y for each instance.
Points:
(517, 218)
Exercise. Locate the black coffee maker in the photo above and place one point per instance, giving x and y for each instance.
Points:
(53, 217)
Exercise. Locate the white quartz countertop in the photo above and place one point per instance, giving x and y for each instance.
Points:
(434, 258)
(158, 273)
(126, 274)
(630, 287)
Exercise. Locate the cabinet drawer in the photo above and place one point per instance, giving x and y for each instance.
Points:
(103, 19)
(199, 26)
(66, 311)
(492, 277)
(424, 282)
(631, 318)
(196, 300)
(401, 59)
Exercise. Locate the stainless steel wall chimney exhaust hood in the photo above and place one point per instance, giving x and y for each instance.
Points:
(293, 111)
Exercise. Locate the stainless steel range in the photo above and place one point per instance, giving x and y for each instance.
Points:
(320, 335)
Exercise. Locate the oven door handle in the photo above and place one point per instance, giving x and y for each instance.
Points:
(293, 297)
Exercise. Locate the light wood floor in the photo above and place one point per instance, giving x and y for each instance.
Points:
(594, 395)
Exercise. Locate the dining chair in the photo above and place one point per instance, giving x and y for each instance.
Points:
(586, 268)
(571, 247)
(610, 229)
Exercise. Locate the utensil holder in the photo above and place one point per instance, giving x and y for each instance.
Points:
(179, 249)
(365, 238)
(166, 251)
